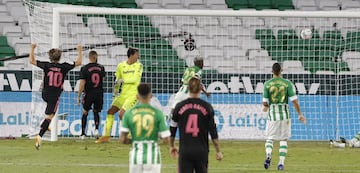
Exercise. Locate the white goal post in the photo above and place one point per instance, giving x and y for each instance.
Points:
(238, 47)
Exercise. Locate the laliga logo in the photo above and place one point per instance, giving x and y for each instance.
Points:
(220, 120)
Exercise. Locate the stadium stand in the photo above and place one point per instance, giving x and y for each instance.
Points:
(276, 41)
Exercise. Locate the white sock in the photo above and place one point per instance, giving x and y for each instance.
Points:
(268, 147)
(283, 151)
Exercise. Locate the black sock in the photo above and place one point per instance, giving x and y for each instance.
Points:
(96, 119)
(83, 123)
(44, 126)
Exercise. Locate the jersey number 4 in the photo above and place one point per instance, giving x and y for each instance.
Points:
(192, 126)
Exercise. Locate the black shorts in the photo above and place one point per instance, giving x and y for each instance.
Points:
(193, 162)
(94, 99)
(52, 102)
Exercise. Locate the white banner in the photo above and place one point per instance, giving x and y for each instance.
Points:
(240, 121)
(14, 118)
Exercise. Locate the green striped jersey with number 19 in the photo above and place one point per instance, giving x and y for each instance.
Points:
(277, 93)
(191, 72)
(145, 123)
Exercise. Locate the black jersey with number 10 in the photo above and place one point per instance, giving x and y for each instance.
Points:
(195, 120)
(54, 76)
(93, 74)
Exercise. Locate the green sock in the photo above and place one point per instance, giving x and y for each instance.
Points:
(109, 123)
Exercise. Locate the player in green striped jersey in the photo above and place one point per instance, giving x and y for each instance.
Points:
(194, 71)
(146, 124)
(352, 143)
(277, 92)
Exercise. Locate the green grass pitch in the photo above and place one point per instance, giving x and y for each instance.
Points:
(75, 156)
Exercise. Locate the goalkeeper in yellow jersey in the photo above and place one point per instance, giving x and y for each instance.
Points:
(128, 76)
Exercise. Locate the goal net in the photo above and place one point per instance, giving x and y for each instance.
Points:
(238, 47)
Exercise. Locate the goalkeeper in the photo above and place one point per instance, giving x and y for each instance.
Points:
(128, 76)
(353, 143)
(194, 71)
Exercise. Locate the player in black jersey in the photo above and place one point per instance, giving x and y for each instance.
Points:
(54, 76)
(195, 119)
(91, 83)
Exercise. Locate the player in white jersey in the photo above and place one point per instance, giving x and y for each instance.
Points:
(277, 92)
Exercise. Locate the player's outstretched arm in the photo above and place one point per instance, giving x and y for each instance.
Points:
(32, 59)
(79, 58)
(297, 108)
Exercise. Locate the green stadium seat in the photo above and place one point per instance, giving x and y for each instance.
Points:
(327, 55)
(103, 3)
(280, 55)
(125, 3)
(58, 1)
(139, 20)
(333, 44)
(287, 34)
(352, 45)
(81, 2)
(315, 34)
(147, 31)
(283, 4)
(314, 66)
(264, 34)
(332, 35)
(160, 44)
(238, 4)
(7, 51)
(261, 4)
(271, 44)
(314, 44)
(3, 41)
(296, 44)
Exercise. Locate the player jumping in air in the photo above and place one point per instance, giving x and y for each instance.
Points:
(277, 92)
(54, 76)
(195, 119)
(194, 71)
(352, 143)
(128, 77)
(146, 124)
(91, 82)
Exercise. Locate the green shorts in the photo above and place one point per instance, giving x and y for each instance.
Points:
(124, 101)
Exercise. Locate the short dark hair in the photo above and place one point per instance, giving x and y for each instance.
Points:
(54, 55)
(194, 85)
(276, 68)
(93, 54)
(132, 51)
(144, 90)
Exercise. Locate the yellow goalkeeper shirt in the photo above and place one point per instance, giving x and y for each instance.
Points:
(130, 75)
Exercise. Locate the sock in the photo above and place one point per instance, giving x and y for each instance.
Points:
(109, 123)
(283, 151)
(44, 126)
(83, 123)
(96, 119)
(268, 147)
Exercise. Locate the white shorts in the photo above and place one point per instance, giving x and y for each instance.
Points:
(148, 168)
(181, 95)
(278, 130)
